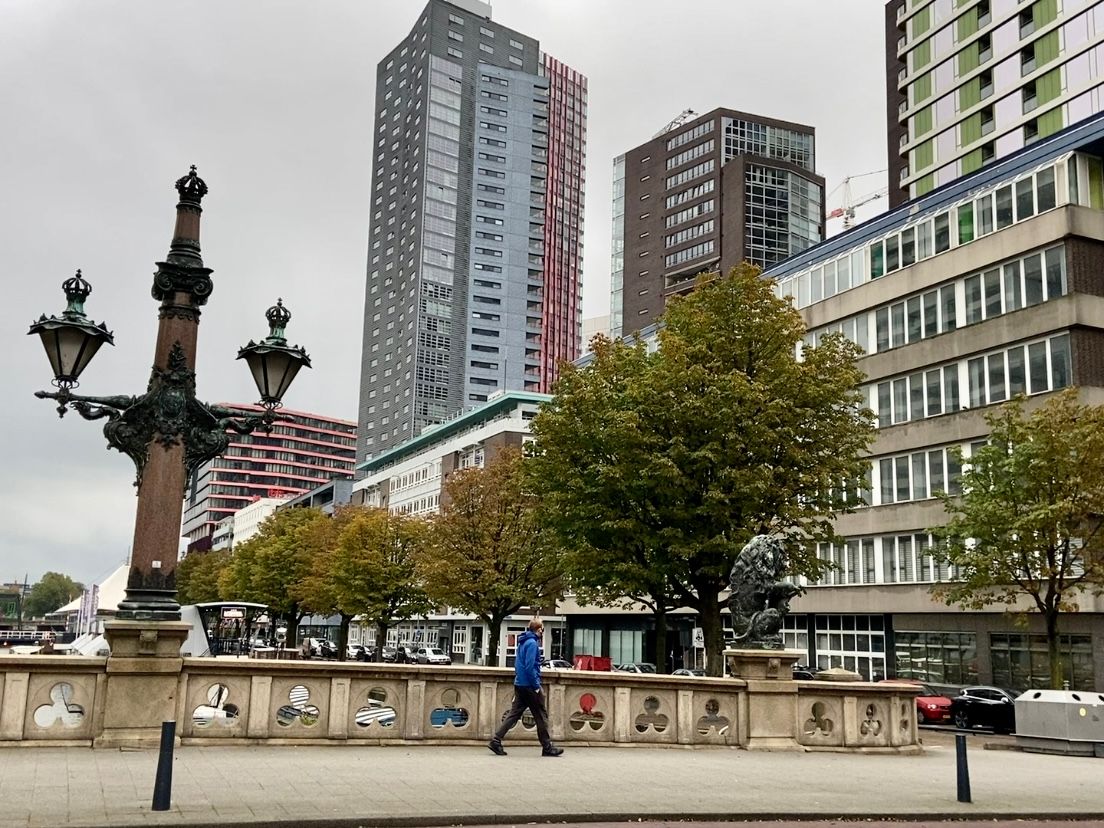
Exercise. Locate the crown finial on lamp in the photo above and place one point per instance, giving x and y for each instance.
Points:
(191, 187)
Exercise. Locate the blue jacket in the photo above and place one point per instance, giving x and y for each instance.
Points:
(527, 662)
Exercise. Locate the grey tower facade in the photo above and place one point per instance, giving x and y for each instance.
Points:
(475, 239)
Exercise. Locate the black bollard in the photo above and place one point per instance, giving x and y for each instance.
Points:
(963, 768)
(162, 785)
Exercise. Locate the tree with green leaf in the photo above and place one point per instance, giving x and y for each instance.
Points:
(52, 591)
(743, 437)
(1027, 525)
(271, 567)
(371, 569)
(592, 474)
(490, 555)
(197, 576)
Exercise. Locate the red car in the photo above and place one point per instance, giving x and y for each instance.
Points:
(931, 707)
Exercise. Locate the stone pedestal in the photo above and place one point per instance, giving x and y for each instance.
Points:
(143, 673)
(768, 718)
(762, 665)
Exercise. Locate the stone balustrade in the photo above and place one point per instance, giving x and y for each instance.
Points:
(59, 700)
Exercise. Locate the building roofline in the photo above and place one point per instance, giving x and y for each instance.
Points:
(293, 411)
(436, 433)
(1071, 138)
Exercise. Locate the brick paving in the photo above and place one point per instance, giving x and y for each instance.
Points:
(423, 785)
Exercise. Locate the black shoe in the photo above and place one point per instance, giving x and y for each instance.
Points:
(497, 749)
(550, 751)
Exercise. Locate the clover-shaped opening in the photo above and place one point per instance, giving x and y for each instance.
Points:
(377, 711)
(450, 713)
(217, 710)
(298, 709)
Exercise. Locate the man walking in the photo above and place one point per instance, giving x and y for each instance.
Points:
(527, 691)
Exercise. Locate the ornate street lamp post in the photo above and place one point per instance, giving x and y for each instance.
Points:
(167, 432)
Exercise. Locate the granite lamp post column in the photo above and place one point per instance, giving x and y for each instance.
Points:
(167, 432)
(182, 284)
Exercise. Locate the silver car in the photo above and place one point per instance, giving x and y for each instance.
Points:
(431, 655)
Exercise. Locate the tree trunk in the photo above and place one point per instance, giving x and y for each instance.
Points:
(381, 639)
(494, 630)
(709, 616)
(660, 615)
(343, 636)
(1054, 654)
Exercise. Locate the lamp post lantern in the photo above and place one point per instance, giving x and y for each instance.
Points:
(167, 431)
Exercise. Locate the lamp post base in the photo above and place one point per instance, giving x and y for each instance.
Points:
(143, 676)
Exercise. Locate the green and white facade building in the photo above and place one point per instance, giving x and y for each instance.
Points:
(973, 81)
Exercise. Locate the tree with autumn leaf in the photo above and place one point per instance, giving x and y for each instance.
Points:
(746, 431)
(197, 576)
(271, 567)
(1028, 523)
(369, 568)
(490, 556)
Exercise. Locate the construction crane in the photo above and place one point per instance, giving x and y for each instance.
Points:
(850, 202)
(678, 121)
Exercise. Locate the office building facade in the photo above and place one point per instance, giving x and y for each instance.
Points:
(475, 239)
(299, 454)
(705, 195)
(972, 82)
(986, 289)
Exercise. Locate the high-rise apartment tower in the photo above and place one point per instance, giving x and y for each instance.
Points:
(475, 239)
(704, 195)
(971, 81)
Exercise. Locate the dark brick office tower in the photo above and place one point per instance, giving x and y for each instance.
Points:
(704, 195)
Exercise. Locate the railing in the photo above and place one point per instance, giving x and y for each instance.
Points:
(60, 701)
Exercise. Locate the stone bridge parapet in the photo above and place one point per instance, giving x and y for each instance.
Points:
(61, 700)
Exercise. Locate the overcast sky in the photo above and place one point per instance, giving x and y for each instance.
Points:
(105, 104)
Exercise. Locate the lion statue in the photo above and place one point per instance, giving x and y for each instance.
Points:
(760, 599)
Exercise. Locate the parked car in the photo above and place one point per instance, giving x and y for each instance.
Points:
(689, 671)
(404, 655)
(388, 653)
(982, 706)
(803, 673)
(556, 664)
(356, 652)
(932, 707)
(636, 667)
(432, 655)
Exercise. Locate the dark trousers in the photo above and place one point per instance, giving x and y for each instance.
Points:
(526, 697)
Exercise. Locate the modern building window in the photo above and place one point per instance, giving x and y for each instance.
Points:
(690, 253)
(697, 132)
(1021, 660)
(691, 194)
(1000, 206)
(939, 657)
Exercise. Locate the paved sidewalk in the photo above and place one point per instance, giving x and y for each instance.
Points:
(428, 785)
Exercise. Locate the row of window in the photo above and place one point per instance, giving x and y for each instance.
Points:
(690, 253)
(691, 173)
(1031, 368)
(993, 210)
(689, 233)
(691, 194)
(1006, 287)
(689, 213)
(686, 137)
(890, 559)
(696, 151)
